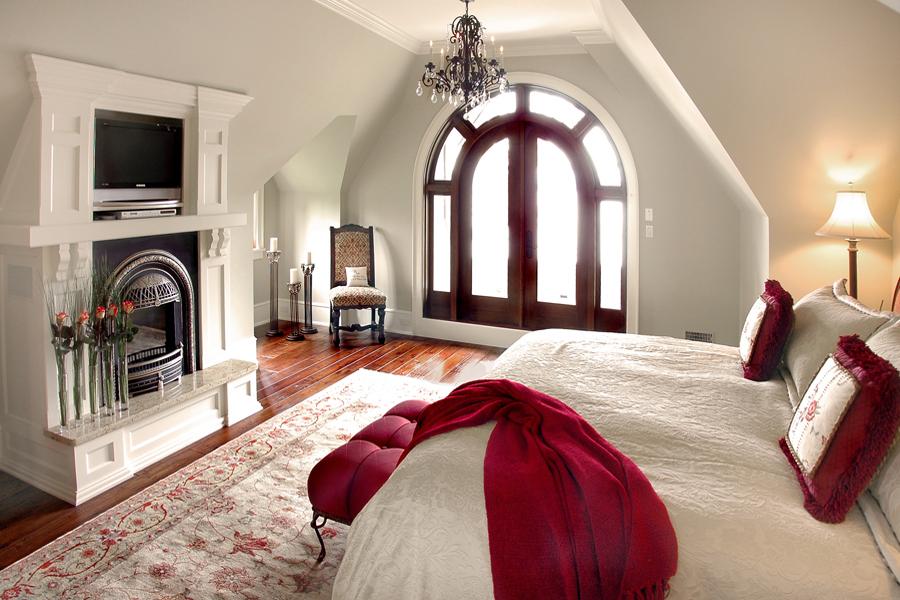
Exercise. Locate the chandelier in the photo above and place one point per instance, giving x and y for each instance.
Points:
(466, 75)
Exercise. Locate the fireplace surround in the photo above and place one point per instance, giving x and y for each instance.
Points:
(47, 233)
(158, 275)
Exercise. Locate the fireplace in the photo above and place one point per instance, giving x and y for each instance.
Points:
(156, 274)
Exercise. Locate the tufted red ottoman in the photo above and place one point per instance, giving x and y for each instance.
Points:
(341, 484)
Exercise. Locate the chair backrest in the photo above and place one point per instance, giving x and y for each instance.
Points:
(352, 246)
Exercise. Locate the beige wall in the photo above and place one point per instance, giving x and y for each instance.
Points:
(804, 96)
(303, 64)
(271, 214)
(688, 271)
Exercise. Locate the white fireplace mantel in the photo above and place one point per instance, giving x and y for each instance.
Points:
(37, 236)
(47, 233)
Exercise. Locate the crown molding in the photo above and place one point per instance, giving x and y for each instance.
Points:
(593, 37)
(373, 23)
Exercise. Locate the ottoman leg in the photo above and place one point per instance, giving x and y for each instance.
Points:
(316, 525)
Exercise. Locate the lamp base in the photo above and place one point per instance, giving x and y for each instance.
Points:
(851, 281)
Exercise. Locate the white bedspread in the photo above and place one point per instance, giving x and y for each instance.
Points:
(704, 436)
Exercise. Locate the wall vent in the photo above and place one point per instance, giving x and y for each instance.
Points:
(698, 336)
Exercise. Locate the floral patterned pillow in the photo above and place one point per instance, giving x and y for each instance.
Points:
(843, 428)
(766, 332)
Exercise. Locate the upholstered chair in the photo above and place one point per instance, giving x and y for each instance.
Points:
(353, 249)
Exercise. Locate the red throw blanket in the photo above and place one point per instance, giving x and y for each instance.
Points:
(569, 516)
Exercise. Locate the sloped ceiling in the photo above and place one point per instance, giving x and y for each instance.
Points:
(303, 64)
(319, 166)
(804, 97)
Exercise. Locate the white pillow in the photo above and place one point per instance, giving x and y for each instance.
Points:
(751, 328)
(357, 277)
(820, 318)
(885, 486)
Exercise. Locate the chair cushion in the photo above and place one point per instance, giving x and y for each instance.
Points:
(343, 295)
(341, 484)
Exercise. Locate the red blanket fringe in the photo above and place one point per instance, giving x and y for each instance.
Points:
(569, 516)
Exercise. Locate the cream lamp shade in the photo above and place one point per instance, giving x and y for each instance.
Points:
(851, 219)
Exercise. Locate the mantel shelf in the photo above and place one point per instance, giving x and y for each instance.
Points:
(36, 236)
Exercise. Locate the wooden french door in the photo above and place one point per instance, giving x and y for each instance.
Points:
(526, 229)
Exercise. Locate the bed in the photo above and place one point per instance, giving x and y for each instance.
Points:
(705, 437)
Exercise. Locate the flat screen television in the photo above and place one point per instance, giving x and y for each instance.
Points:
(137, 152)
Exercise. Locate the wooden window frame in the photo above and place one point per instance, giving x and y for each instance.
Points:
(451, 305)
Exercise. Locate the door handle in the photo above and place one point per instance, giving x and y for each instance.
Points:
(529, 244)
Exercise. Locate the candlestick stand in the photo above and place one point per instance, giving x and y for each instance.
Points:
(294, 291)
(307, 299)
(273, 257)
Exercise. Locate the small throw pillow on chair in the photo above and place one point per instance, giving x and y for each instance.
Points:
(357, 277)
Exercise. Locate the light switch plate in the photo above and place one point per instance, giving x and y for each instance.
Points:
(648, 214)
(648, 231)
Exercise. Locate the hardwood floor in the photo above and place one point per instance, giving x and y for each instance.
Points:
(289, 372)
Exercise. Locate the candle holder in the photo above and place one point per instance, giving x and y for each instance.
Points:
(273, 256)
(294, 291)
(307, 299)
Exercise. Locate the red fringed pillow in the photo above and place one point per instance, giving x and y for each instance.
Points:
(766, 332)
(843, 428)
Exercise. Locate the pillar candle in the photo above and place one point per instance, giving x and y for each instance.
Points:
(295, 275)
(273, 244)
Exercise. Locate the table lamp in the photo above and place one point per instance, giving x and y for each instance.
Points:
(852, 220)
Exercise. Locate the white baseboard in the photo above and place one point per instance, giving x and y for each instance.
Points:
(40, 464)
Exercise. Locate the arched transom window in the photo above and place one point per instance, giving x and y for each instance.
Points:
(525, 216)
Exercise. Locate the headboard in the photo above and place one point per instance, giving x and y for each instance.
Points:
(895, 305)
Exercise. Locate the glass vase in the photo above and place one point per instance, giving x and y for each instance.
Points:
(109, 379)
(62, 381)
(78, 387)
(122, 379)
(94, 388)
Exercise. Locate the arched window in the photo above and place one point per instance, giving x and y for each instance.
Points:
(525, 216)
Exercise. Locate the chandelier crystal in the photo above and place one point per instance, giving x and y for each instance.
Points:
(465, 74)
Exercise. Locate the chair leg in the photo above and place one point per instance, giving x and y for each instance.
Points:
(381, 325)
(373, 323)
(336, 325)
(316, 526)
(330, 330)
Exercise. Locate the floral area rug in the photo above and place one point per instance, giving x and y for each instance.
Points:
(234, 524)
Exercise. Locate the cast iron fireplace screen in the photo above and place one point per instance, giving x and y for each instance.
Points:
(160, 288)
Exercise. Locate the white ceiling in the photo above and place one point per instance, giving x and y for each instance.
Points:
(508, 20)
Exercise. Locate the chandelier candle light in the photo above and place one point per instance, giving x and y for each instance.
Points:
(465, 75)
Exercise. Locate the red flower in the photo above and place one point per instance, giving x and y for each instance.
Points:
(100, 312)
(109, 543)
(112, 311)
(128, 306)
(83, 317)
(233, 579)
(811, 411)
(61, 317)
(248, 544)
(162, 571)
